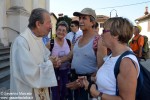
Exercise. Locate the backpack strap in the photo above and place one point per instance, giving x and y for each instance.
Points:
(138, 39)
(117, 68)
(69, 43)
(140, 81)
(95, 43)
(78, 38)
(117, 65)
(51, 44)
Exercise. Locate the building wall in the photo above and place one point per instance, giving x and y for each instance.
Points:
(28, 5)
(7, 4)
(3, 22)
(101, 19)
(17, 19)
(42, 4)
(31, 4)
(54, 21)
(144, 31)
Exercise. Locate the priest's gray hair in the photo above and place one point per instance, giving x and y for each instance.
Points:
(36, 15)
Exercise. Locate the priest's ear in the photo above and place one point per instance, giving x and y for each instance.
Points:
(38, 24)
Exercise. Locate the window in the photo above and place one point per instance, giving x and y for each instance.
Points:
(101, 25)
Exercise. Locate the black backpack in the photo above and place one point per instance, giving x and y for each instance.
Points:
(143, 85)
(52, 44)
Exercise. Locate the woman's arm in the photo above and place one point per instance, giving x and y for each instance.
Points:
(127, 79)
(127, 82)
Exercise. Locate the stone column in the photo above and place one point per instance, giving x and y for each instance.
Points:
(17, 17)
(17, 3)
(35, 4)
(3, 33)
(47, 5)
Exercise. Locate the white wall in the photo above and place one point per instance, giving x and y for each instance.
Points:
(144, 31)
(17, 22)
(16, 19)
(3, 32)
(17, 3)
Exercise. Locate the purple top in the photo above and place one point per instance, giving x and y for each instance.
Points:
(61, 51)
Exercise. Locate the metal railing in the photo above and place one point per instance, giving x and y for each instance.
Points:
(11, 29)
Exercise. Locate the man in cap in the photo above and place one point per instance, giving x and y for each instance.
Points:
(85, 61)
(137, 42)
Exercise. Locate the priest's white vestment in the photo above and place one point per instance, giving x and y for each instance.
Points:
(30, 68)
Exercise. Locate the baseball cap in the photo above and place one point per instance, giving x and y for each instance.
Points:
(86, 11)
(139, 27)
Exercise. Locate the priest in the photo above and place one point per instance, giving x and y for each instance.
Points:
(31, 67)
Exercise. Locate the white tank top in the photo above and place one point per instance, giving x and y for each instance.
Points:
(105, 78)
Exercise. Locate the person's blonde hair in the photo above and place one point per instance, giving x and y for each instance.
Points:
(120, 27)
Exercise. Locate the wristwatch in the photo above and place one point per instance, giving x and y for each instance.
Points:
(100, 96)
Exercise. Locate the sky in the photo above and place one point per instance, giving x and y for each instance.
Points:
(131, 9)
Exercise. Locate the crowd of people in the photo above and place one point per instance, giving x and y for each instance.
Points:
(75, 65)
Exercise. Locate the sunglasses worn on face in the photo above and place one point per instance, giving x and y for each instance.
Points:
(72, 26)
(105, 31)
